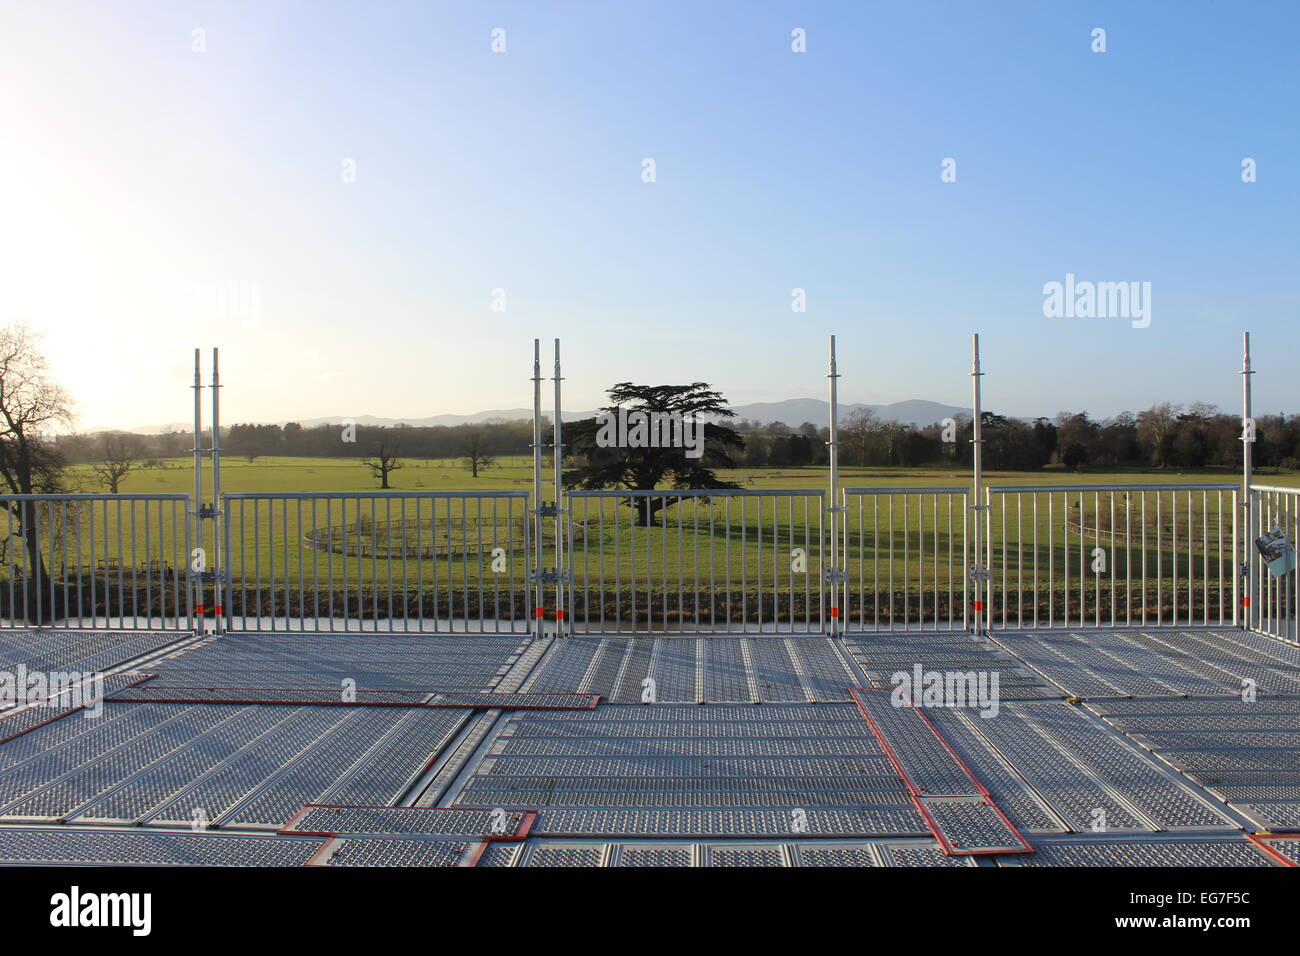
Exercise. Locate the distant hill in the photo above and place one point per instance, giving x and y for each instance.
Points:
(794, 412)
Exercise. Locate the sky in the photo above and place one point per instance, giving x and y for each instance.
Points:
(372, 212)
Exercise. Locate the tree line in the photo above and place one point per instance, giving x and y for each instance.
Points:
(1163, 436)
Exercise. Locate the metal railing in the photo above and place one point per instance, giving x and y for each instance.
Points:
(1275, 591)
(906, 558)
(378, 561)
(1111, 555)
(696, 561)
(97, 562)
(655, 562)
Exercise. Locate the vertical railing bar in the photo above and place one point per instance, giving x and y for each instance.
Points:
(1143, 499)
(875, 558)
(965, 559)
(934, 528)
(148, 561)
(302, 565)
(907, 617)
(744, 570)
(1128, 558)
(1160, 560)
(1020, 558)
(121, 572)
(891, 563)
(1065, 547)
(1033, 496)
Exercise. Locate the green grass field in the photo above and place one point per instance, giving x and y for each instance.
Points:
(514, 473)
(905, 553)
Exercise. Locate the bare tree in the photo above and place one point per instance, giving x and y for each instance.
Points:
(384, 463)
(1156, 428)
(474, 452)
(31, 405)
(856, 435)
(120, 456)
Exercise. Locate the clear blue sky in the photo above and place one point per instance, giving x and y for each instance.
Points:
(142, 175)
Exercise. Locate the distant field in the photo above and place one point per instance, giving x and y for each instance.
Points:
(900, 548)
(514, 473)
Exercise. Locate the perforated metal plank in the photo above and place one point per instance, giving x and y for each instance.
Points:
(614, 799)
(1285, 850)
(1224, 669)
(1232, 794)
(1274, 648)
(838, 854)
(22, 720)
(682, 747)
(87, 783)
(746, 713)
(316, 771)
(1216, 760)
(70, 846)
(226, 786)
(1231, 654)
(1133, 668)
(1056, 666)
(921, 854)
(51, 750)
(673, 670)
(1183, 853)
(1148, 656)
(387, 662)
(1167, 803)
(1225, 706)
(50, 735)
(682, 767)
(174, 694)
(726, 678)
(443, 821)
(1274, 816)
(965, 826)
(747, 855)
(1197, 723)
(1246, 778)
(759, 729)
(491, 701)
(920, 756)
(1218, 740)
(605, 668)
(1021, 805)
(565, 667)
(460, 753)
(153, 787)
(657, 854)
(1075, 795)
(656, 788)
(392, 767)
(565, 854)
(422, 853)
(867, 821)
(636, 667)
(44, 770)
(1008, 689)
(86, 651)
(496, 853)
(774, 671)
